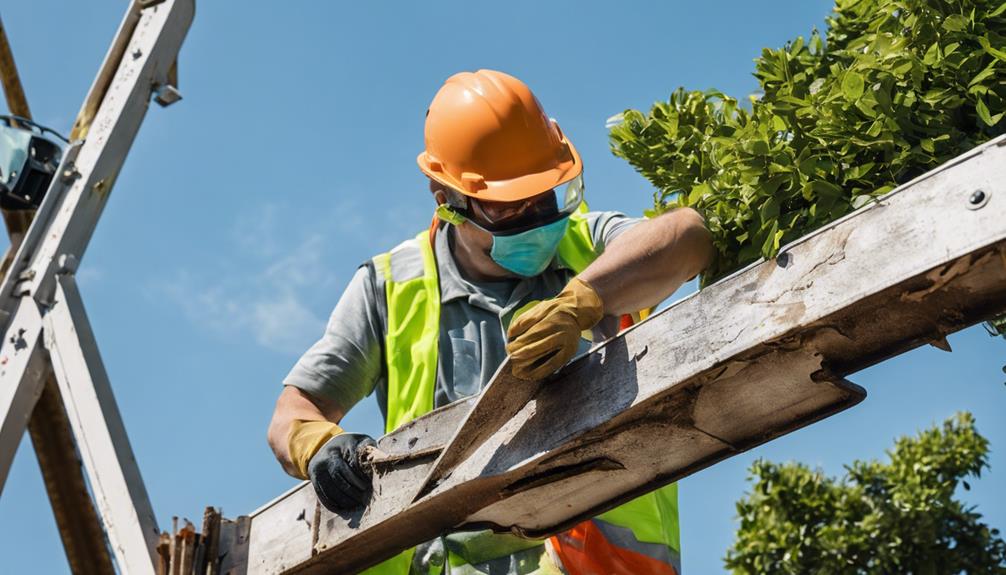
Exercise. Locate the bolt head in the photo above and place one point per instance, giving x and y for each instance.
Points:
(978, 199)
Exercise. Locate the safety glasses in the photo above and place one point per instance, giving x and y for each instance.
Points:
(508, 218)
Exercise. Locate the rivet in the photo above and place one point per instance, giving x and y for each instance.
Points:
(978, 199)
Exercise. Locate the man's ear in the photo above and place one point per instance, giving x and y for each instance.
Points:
(438, 191)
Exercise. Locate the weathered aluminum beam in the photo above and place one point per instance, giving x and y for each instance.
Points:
(97, 425)
(144, 68)
(38, 298)
(76, 519)
(753, 357)
(59, 235)
(22, 368)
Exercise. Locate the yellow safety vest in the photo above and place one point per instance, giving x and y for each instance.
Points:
(639, 537)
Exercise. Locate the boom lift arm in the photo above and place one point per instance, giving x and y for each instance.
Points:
(46, 331)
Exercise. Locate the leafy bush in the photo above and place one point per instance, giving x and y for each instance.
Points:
(896, 88)
(896, 517)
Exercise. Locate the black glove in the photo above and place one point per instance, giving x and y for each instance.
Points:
(336, 473)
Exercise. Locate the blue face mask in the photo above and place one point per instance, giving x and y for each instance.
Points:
(529, 253)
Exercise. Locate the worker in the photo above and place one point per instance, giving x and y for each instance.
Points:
(513, 264)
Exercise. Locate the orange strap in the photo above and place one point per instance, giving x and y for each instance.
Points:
(433, 230)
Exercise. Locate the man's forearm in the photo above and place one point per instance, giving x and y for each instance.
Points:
(649, 262)
(294, 404)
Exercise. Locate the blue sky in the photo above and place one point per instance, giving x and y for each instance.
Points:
(243, 210)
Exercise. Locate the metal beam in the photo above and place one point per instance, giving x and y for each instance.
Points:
(101, 436)
(59, 235)
(144, 67)
(110, 65)
(76, 518)
(22, 369)
(753, 357)
(12, 89)
(139, 64)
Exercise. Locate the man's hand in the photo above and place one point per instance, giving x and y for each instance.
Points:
(301, 424)
(337, 475)
(546, 336)
(322, 452)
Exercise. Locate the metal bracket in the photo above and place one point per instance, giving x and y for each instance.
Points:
(166, 94)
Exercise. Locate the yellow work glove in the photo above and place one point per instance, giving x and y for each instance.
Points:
(305, 439)
(328, 456)
(545, 337)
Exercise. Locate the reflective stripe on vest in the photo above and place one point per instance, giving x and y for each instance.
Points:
(644, 531)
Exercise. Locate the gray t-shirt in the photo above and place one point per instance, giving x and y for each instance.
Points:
(347, 364)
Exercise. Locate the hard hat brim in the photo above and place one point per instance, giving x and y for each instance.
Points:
(514, 189)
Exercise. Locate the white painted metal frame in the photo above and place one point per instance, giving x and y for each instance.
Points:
(21, 380)
(112, 471)
(44, 315)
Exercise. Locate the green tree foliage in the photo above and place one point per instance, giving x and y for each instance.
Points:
(895, 517)
(895, 89)
(998, 326)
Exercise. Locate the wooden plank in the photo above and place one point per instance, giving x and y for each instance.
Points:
(293, 544)
(286, 543)
(233, 554)
(501, 399)
(753, 357)
(564, 457)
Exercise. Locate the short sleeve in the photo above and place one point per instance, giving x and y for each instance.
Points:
(606, 226)
(345, 365)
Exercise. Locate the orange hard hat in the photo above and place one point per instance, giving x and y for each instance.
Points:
(488, 137)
